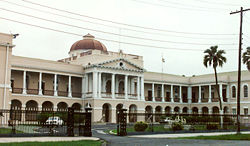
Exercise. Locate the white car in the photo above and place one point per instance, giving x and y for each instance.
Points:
(55, 121)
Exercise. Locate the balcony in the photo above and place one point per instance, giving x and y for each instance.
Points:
(185, 100)
(106, 95)
(148, 98)
(194, 100)
(62, 93)
(225, 100)
(120, 95)
(77, 94)
(167, 99)
(133, 96)
(17, 90)
(88, 94)
(204, 100)
(48, 92)
(215, 99)
(158, 99)
(176, 99)
(32, 91)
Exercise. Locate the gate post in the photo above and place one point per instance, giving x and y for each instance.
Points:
(70, 122)
(122, 123)
(87, 125)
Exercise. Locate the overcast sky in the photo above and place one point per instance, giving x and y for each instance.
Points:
(185, 29)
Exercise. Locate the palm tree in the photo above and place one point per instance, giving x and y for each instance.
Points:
(246, 58)
(215, 57)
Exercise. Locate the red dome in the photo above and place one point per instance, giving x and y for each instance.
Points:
(88, 42)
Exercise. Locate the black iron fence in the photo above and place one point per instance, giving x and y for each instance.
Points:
(34, 122)
(169, 123)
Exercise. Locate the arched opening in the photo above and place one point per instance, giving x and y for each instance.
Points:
(158, 111)
(167, 110)
(76, 106)
(195, 110)
(215, 110)
(62, 106)
(204, 110)
(118, 108)
(108, 86)
(47, 106)
(31, 110)
(225, 110)
(121, 87)
(15, 112)
(106, 112)
(148, 113)
(132, 113)
(185, 110)
(177, 110)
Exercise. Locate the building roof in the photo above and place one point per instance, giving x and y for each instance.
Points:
(88, 43)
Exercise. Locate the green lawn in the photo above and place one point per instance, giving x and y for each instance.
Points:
(221, 137)
(8, 131)
(61, 143)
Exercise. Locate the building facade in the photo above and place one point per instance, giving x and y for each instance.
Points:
(108, 81)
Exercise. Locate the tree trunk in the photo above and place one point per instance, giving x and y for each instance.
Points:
(217, 88)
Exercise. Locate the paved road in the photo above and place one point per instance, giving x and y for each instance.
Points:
(135, 141)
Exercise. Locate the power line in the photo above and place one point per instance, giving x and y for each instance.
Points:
(123, 28)
(193, 6)
(130, 25)
(110, 33)
(215, 3)
(110, 40)
(182, 8)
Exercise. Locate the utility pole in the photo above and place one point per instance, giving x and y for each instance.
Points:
(239, 66)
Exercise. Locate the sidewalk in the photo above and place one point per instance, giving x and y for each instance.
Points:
(43, 139)
(185, 135)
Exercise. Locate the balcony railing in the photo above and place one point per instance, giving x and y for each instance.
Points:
(194, 100)
(176, 99)
(62, 93)
(17, 90)
(225, 100)
(88, 94)
(215, 99)
(48, 92)
(204, 100)
(120, 95)
(158, 99)
(167, 99)
(106, 95)
(32, 91)
(77, 94)
(185, 100)
(148, 98)
(134, 96)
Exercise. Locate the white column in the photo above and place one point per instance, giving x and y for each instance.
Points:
(55, 85)
(180, 94)
(69, 87)
(94, 88)
(162, 92)
(24, 82)
(113, 86)
(142, 89)
(138, 87)
(129, 85)
(199, 100)
(189, 94)
(40, 84)
(100, 85)
(86, 83)
(126, 86)
(132, 86)
(209, 95)
(153, 92)
(83, 86)
(221, 92)
(172, 93)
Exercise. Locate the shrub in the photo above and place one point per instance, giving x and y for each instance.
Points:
(176, 126)
(140, 126)
(212, 126)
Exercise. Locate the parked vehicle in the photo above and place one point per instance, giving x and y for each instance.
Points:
(54, 121)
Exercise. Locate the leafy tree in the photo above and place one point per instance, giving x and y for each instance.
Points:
(246, 58)
(214, 57)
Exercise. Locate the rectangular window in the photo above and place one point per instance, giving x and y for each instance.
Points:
(234, 111)
(245, 111)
